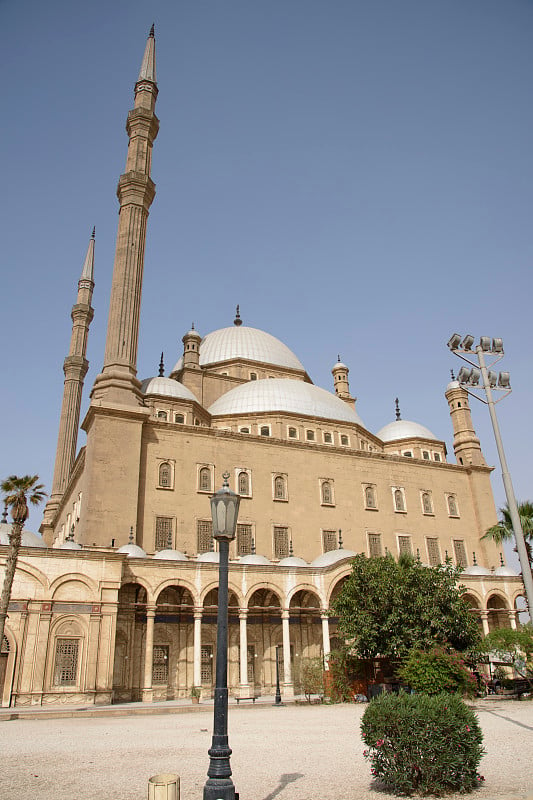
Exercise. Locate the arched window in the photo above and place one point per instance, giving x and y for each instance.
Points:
(165, 475)
(310, 436)
(244, 483)
(344, 440)
(370, 497)
(293, 433)
(179, 418)
(328, 438)
(204, 479)
(452, 506)
(426, 503)
(280, 488)
(399, 503)
(327, 493)
(265, 430)
(162, 415)
(253, 376)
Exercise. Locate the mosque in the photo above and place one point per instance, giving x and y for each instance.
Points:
(115, 600)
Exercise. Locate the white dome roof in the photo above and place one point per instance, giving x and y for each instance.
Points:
(70, 544)
(167, 387)
(404, 429)
(210, 556)
(251, 344)
(284, 394)
(132, 551)
(453, 385)
(29, 539)
(293, 561)
(253, 558)
(171, 555)
(505, 572)
(331, 557)
(476, 569)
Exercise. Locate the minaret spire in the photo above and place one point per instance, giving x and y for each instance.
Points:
(118, 382)
(75, 368)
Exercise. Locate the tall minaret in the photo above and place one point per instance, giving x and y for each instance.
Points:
(117, 382)
(466, 445)
(340, 381)
(75, 368)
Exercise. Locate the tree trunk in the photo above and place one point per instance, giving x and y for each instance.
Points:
(11, 564)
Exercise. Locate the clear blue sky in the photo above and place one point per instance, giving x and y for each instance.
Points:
(357, 175)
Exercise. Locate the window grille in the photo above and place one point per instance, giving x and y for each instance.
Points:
(162, 415)
(244, 483)
(329, 541)
(433, 551)
(370, 497)
(404, 545)
(251, 664)
(327, 494)
(204, 479)
(328, 439)
(206, 664)
(163, 532)
(280, 488)
(344, 439)
(399, 503)
(293, 433)
(204, 529)
(452, 507)
(179, 418)
(425, 455)
(160, 664)
(281, 542)
(436, 456)
(374, 544)
(265, 430)
(460, 552)
(310, 436)
(165, 475)
(244, 539)
(426, 503)
(66, 662)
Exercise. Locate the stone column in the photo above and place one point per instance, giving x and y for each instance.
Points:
(288, 687)
(512, 619)
(40, 656)
(147, 691)
(485, 622)
(245, 689)
(325, 637)
(197, 648)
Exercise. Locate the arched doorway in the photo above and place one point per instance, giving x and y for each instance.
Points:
(264, 640)
(306, 631)
(498, 613)
(172, 674)
(131, 625)
(209, 640)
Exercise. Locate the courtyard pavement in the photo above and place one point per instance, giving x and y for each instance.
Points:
(296, 752)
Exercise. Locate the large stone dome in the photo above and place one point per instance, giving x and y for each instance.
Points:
(166, 387)
(284, 394)
(241, 342)
(404, 429)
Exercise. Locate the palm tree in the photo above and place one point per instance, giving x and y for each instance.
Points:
(17, 491)
(503, 530)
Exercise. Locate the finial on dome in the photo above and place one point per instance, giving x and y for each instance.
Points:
(291, 551)
(502, 563)
(418, 554)
(253, 546)
(338, 358)
(237, 321)
(397, 404)
(131, 536)
(340, 539)
(70, 537)
(474, 560)
(169, 540)
(452, 374)
(161, 367)
(4, 514)
(192, 326)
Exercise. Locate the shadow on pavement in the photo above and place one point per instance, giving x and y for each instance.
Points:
(283, 781)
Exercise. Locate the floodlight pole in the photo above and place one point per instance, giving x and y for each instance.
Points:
(508, 486)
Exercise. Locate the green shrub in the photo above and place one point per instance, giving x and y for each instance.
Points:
(312, 677)
(437, 670)
(423, 744)
(338, 686)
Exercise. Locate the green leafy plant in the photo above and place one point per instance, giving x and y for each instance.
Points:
(312, 677)
(513, 646)
(423, 744)
(338, 686)
(437, 670)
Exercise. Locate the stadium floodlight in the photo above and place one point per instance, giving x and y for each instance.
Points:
(475, 376)
(497, 346)
(463, 376)
(493, 378)
(485, 344)
(467, 343)
(454, 342)
(504, 381)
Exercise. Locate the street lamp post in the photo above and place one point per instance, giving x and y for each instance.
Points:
(277, 699)
(470, 378)
(224, 511)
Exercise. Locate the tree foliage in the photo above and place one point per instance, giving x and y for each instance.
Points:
(503, 530)
(514, 646)
(437, 670)
(389, 607)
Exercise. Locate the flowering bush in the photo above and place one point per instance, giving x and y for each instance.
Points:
(437, 670)
(423, 744)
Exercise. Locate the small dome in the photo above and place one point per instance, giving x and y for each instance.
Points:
(192, 332)
(171, 555)
(132, 551)
(29, 539)
(339, 365)
(476, 569)
(293, 561)
(166, 387)
(250, 344)
(284, 394)
(212, 556)
(404, 429)
(252, 558)
(331, 557)
(505, 572)
(453, 385)
(70, 544)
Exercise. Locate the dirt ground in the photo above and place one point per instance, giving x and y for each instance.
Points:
(291, 753)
